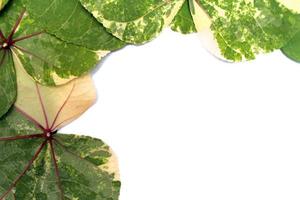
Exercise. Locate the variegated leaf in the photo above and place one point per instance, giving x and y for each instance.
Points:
(34, 166)
(39, 163)
(183, 21)
(46, 58)
(242, 29)
(134, 21)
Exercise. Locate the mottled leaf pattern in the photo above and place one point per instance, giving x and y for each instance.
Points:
(74, 24)
(33, 166)
(55, 41)
(134, 21)
(41, 164)
(245, 28)
(46, 58)
(17, 153)
(183, 21)
(241, 29)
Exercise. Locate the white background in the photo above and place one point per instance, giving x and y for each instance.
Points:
(187, 126)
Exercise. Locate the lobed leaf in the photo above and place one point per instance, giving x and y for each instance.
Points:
(39, 163)
(48, 59)
(65, 167)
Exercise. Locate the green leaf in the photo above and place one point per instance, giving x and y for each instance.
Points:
(34, 166)
(134, 21)
(72, 24)
(292, 48)
(39, 163)
(46, 58)
(8, 82)
(183, 21)
(243, 29)
(3, 3)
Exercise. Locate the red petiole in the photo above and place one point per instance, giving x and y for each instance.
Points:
(49, 130)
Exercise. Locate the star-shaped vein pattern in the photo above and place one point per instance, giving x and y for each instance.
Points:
(48, 59)
(37, 162)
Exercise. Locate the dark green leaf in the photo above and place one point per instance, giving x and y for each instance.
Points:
(292, 48)
(69, 21)
(183, 22)
(8, 82)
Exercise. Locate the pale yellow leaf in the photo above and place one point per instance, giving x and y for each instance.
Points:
(53, 107)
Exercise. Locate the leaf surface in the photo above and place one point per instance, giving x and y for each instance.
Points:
(54, 107)
(292, 48)
(134, 21)
(183, 21)
(69, 21)
(243, 29)
(46, 58)
(63, 167)
(8, 82)
(39, 163)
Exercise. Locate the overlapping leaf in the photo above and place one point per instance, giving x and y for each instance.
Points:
(46, 58)
(241, 29)
(38, 163)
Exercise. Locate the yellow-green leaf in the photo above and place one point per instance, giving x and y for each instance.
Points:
(134, 21)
